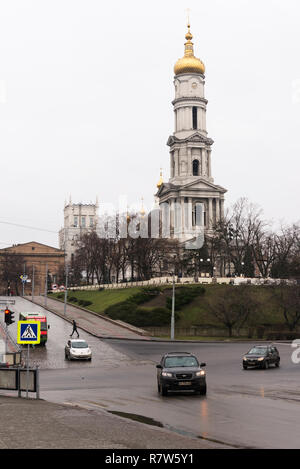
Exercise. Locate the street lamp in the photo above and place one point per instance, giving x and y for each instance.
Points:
(173, 306)
(207, 260)
(66, 289)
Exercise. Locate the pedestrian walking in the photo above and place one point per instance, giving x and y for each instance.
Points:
(74, 329)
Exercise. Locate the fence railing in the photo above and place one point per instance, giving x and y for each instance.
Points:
(186, 280)
(20, 379)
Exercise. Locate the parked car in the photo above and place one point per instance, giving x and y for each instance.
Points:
(77, 349)
(261, 356)
(180, 371)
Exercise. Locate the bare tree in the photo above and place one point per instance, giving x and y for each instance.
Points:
(233, 306)
(11, 267)
(288, 300)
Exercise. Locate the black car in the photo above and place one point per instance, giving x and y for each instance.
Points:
(180, 371)
(261, 356)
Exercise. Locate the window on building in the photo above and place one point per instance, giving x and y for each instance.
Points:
(83, 222)
(195, 123)
(75, 222)
(91, 222)
(195, 168)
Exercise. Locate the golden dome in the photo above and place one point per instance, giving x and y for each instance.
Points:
(160, 182)
(189, 63)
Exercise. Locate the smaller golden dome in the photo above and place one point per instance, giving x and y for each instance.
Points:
(160, 182)
(189, 63)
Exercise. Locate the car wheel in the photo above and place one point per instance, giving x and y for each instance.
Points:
(202, 391)
(277, 363)
(266, 365)
(245, 367)
(163, 390)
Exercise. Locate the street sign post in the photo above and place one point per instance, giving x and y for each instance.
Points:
(29, 332)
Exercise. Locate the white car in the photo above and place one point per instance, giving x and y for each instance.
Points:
(77, 349)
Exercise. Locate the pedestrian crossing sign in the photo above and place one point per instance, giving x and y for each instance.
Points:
(29, 332)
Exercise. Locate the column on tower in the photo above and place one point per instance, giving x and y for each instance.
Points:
(217, 210)
(176, 156)
(190, 214)
(190, 163)
(172, 217)
(203, 162)
(182, 218)
(222, 208)
(210, 213)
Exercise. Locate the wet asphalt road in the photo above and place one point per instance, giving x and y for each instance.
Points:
(247, 409)
(244, 409)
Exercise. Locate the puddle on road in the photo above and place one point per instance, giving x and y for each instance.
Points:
(137, 418)
(156, 423)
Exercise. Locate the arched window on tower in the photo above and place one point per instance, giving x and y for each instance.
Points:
(195, 168)
(195, 120)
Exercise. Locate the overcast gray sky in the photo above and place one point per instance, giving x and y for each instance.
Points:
(85, 103)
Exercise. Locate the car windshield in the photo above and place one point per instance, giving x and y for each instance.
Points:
(171, 362)
(79, 345)
(257, 351)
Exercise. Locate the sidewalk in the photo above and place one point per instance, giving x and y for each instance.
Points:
(91, 322)
(34, 424)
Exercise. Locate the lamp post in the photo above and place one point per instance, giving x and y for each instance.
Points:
(32, 285)
(173, 306)
(66, 289)
(46, 286)
(202, 260)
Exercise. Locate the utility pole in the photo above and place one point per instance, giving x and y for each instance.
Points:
(46, 285)
(32, 284)
(173, 306)
(66, 289)
(23, 283)
(173, 310)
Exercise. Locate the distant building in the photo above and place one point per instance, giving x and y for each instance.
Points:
(78, 219)
(37, 260)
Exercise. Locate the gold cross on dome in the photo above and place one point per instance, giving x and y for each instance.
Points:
(188, 10)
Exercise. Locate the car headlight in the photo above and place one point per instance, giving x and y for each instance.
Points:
(245, 359)
(260, 359)
(166, 374)
(200, 373)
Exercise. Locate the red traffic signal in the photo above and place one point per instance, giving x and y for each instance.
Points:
(8, 316)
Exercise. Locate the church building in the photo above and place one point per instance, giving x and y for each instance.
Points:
(191, 183)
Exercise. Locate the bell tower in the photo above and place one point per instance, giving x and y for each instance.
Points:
(191, 180)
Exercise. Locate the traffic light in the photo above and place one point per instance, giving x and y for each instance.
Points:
(8, 316)
(12, 317)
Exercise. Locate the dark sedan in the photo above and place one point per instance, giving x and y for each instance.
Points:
(180, 371)
(261, 356)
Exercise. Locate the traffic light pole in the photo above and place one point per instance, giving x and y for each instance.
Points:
(27, 372)
(6, 335)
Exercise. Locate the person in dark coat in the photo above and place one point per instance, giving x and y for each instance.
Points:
(74, 329)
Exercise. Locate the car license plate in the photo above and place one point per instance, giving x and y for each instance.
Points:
(185, 383)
